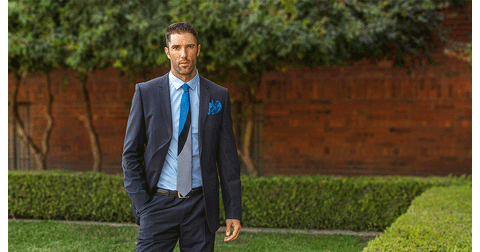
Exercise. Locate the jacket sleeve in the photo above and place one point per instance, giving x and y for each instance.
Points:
(133, 153)
(228, 166)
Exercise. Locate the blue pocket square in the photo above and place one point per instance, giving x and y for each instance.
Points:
(214, 107)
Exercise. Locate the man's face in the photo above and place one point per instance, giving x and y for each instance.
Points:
(183, 52)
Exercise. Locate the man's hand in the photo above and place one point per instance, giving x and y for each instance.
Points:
(236, 229)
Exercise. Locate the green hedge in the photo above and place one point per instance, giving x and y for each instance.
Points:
(332, 202)
(68, 196)
(305, 202)
(439, 220)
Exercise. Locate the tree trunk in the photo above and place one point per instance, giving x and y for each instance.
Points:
(94, 142)
(49, 117)
(38, 154)
(247, 142)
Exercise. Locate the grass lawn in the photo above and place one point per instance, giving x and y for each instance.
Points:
(58, 236)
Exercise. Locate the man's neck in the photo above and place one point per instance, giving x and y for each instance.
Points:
(183, 77)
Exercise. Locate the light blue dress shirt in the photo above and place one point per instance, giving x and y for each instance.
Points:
(168, 178)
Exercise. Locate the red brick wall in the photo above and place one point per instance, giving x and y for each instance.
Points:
(359, 119)
(70, 145)
(364, 119)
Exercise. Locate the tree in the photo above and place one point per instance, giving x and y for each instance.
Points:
(33, 45)
(243, 39)
(101, 33)
(85, 26)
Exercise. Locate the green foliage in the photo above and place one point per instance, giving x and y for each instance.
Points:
(241, 38)
(34, 40)
(310, 202)
(331, 202)
(439, 220)
(247, 38)
(68, 196)
(125, 34)
(85, 35)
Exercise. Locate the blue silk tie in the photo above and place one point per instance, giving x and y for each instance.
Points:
(184, 165)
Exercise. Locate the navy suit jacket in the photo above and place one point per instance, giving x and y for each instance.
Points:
(148, 136)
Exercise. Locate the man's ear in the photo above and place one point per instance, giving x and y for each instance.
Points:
(167, 52)
(198, 50)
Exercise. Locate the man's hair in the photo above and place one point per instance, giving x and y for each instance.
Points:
(179, 28)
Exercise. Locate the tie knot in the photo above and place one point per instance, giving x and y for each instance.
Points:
(185, 87)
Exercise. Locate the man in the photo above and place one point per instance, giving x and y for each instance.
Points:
(179, 141)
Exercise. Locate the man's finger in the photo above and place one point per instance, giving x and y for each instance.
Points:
(231, 237)
(227, 230)
(234, 236)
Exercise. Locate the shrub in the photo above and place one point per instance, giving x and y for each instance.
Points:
(305, 202)
(439, 220)
(68, 195)
(331, 202)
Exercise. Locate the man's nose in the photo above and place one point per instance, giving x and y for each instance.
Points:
(183, 53)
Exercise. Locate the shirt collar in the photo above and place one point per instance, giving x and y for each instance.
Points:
(177, 83)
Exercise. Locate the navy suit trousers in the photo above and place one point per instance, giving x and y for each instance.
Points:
(165, 219)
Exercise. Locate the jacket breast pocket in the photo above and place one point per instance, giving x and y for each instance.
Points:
(213, 121)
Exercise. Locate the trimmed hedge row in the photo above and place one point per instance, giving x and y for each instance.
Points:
(68, 195)
(332, 202)
(304, 202)
(438, 220)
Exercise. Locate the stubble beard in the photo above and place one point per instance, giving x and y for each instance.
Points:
(182, 71)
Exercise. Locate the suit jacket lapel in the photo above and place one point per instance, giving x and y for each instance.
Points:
(204, 102)
(165, 106)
